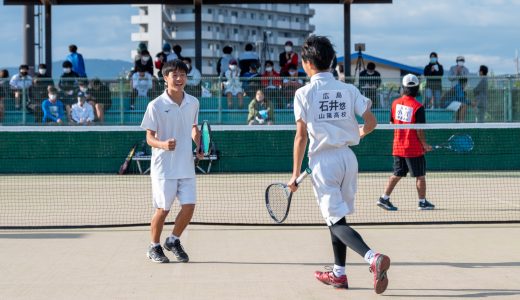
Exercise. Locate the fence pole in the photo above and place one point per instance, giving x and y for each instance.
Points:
(219, 100)
(510, 99)
(24, 103)
(121, 104)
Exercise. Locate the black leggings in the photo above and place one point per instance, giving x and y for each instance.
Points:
(342, 236)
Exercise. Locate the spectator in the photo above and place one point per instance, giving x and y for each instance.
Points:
(340, 69)
(290, 85)
(100, 93)
(369, 82)
(163, 57)
(21, 83)
(78, 65)
(455, 99)
(98, 108)
(41, 82)
(433, 72)
(53, 108)
(233, 85)
(4, 91)
(457, 71)
(177, 49)
(82, 112)
(141, 85)
(260, 110)
(144, 62)
(247, 58)
(193, 84)
(223, 62)
(270, 78)
(481, 92)
(287, 58)
(252, 80)
(140, 48)
(68, 85)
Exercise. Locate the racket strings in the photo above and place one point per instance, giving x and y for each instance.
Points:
(278, 201)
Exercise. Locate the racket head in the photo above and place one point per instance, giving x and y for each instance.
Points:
(278, 201)
(461, 143)
(205, 138)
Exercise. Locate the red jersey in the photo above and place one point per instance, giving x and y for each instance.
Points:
(407, 110)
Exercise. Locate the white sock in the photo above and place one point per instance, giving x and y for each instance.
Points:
(155, 244)
(422, 200)
(173, 237)
(385, 197)
(338, 271)
(369, 256)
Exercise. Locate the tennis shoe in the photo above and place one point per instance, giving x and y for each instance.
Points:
(156, 254)
(379, 267)
(385, 204)
(177, 249)
(425, 205)
(329, 278)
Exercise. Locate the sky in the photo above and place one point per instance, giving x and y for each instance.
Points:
(485, 32)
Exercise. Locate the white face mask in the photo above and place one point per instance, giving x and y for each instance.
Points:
(460, 63)
(42, 71)
(81, 100)
(145, 58)
(370, 72)
(269, 69)
(232, 67)
(53, 97)
(83, 89)
(66, 70)
(288, 48)
(293, 73)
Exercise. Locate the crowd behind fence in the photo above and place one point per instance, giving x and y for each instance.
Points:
(123, 101)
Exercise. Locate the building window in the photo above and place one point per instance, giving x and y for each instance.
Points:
(235, 30)
(296, 20)
(210, 11)
(261, 16)
(252, 16)
(286, 34)
(234, 14)
(218, 29)
(209, 28)
(253, 32)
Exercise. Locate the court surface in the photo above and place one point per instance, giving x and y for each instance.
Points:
(240, 262)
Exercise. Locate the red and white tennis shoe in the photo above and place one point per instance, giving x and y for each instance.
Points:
(379, 267)
(330, 279)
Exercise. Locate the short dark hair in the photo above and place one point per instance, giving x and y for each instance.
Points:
(5, 73)
(66, 64)
(140, 68)
(73, 48)
(292, 67)
(227, 50)
(371, 66)
(483, 69)
(319, 51)
(411, 91)
(269, 62)
(249, 47)
(177, 49)
(42, 66)
(174, 65)
(433, 54)
(187, 59)
(145, 52)
(24, 66)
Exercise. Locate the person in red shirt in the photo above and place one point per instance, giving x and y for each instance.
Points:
(287, 58)
(409, 145)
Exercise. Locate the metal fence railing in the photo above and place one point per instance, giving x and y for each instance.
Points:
(123, 101)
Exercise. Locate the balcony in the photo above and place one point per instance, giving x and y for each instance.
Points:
(187, 17)
(140, 19)
(183, 35)
(140, 36)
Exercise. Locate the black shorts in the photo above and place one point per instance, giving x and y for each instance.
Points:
(416, 166)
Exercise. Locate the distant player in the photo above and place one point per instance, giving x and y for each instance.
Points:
(409, 144)
(171, 123)
(325, 111)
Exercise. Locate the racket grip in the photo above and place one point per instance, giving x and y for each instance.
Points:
(302, 176)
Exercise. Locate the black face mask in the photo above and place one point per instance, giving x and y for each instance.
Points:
(23, 73)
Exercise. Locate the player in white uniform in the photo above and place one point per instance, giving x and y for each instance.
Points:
(325, 111)
(171, 121)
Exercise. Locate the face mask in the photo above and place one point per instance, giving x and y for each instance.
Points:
(145, 58)
(83, 89)
(269, 69)
(42, 71)
(52, 97)
(81, 100)
(166, 52)
(433, 60)
(460, 63)
(292, 73)
(370, 72)
(66, 70)
(232, 67)
(288, 48)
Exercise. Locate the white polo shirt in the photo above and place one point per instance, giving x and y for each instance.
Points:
(170, 120)
(329, 108)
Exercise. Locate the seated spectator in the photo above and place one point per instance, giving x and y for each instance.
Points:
(21, 83)
(140, 47)
(193, 84)
(290, 85)
(260, 110)
(4, 91)
(287, 58)
(251, 80)
(247, 58)
(144, 62)
(177, 49)
(100, 93)
(233, 85)
(53, 108)
(41, 82)
(141, 85)
(223, 62)
(455, 99)
(98, 108)
(163, 57)
(270, 78)
(82, 112)
(369, 82)
(68, 85)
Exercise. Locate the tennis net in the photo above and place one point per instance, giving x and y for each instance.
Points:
(66, 177)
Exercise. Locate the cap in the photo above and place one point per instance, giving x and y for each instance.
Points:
(288, 43)
(82, 95)
(410, 80)
(233, 62)
(460, 58)
(167, 47)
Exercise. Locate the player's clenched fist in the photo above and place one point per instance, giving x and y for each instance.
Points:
(170, 144)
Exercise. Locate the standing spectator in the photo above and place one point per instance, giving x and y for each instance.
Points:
(457, 71)
(21, 83)
(233, 85)
(4, 91)
(481, 93)
(260, 110)
(409, 145)
(68, 85)
(100, 93)
(290, 85)
(287, 58)
(82, 112)
(144, 62)
(369, 82)
(455, 99)
(53, 108)
(433, 72)
(140, 48)
(163, 57)
(247, 58)
(223, 62)
(78, 65)
(194, 77)
(177, 49)
(141, 85)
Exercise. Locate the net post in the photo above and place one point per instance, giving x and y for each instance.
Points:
(220, 100)
(121, 104)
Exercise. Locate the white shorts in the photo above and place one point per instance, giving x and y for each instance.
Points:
(166, 190)
(334, 180)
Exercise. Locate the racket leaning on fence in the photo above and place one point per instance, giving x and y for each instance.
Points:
(278, 198)
(205, 143)
(128, 159)
(457, 143)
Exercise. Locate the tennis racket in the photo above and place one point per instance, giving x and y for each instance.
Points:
(457, 143)
(126, 163)
(205, 143)
(278, 198)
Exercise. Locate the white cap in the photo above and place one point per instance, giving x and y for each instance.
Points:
(410, 80)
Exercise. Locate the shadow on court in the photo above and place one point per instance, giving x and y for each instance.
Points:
(461, 293)
(36, 236)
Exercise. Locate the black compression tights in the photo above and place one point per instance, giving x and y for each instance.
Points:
(342, 236)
